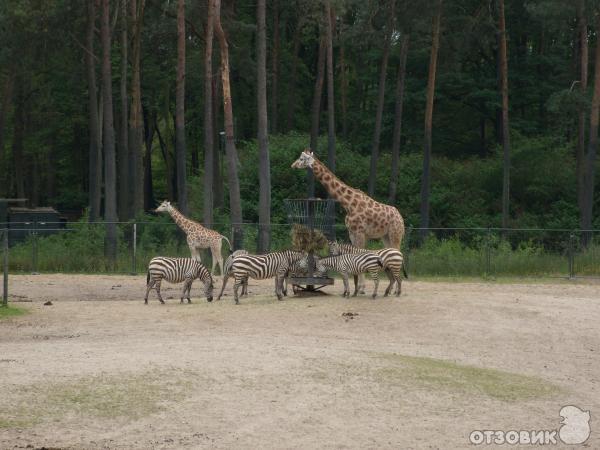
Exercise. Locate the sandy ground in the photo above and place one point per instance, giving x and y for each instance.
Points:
(99, 369)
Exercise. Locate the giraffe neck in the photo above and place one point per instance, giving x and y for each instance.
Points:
(182, 221)
(334, 186)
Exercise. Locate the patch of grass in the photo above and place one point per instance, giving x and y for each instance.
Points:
(11, 311)
(108, 397)
(445, 375)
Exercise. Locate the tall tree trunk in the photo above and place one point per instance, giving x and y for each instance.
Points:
(164, 150)
(136, 125)
(180, 153)
(381, 100)
(398, 119)
(275, 67)
(7, 94)
(291, 98)
(426, 179)
(110, 176)
(344, 92)
(124, 193)
(149, 124)
(218, 187)
(590, 159)
(209, 133)
(583, 67)
(18, 137)
(330, 93)
(235, 204)
(316, 111)
(264, 174)
(95, 144)
(505, 128)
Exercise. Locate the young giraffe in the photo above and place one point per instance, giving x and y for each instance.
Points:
(198, 237)
(365, 218)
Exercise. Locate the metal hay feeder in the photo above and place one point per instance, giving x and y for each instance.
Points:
(315, 214)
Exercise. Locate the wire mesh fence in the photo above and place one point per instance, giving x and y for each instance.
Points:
(79, 247)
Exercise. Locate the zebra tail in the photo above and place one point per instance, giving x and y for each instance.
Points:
(147, 278)
(404, 271)
(379, 262)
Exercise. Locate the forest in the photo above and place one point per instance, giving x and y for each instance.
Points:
(461, 113)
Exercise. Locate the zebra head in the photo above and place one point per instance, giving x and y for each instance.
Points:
(320, 269)
(335, 248)
(208, 289)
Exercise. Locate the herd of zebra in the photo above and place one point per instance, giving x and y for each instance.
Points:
(343, 258)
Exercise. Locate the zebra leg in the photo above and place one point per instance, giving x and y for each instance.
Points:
(375, 277)
(189, 288)
(157, 286)
(399, 286)
(225, 278)
(184, 291)
(238, 282)
(392, 279)
(148, 288)
(279, 286)
(359, 240)
(355, 286)
(245, 287)
(346, 288)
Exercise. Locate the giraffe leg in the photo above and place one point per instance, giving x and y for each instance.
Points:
(359, 240)
(387, 243)
(195, 251)
(217, 259)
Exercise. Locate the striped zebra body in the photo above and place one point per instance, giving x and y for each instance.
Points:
(353, 264)
(391, 258)
(177, 270)
(260, 267)
(227, 272)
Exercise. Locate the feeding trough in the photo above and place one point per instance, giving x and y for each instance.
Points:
(313, 219)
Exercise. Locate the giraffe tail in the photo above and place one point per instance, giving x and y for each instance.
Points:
(228, 243)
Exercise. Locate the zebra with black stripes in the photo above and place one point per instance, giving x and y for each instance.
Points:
(260, 267)
(227, 272)
(352, 264)
(177, 270)
(391, 258)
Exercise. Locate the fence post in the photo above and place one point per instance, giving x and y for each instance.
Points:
(488, 252)
(134, 250)
(572, 255)
(5, 293)
(407, 256)
(35, 250)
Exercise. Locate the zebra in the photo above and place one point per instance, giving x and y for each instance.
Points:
(260, 267)
(352, 264)
(176, 270)
(297, 269)
(392, 259)
(227, 272)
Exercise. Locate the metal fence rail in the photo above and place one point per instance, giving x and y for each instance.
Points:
(78, 247)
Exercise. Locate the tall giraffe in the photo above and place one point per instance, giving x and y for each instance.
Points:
(365, 218)
(198, 236)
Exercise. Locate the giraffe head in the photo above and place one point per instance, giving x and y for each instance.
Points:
(165, 206)
(306, 160)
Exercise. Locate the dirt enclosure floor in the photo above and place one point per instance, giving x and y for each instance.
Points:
(99, 369)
